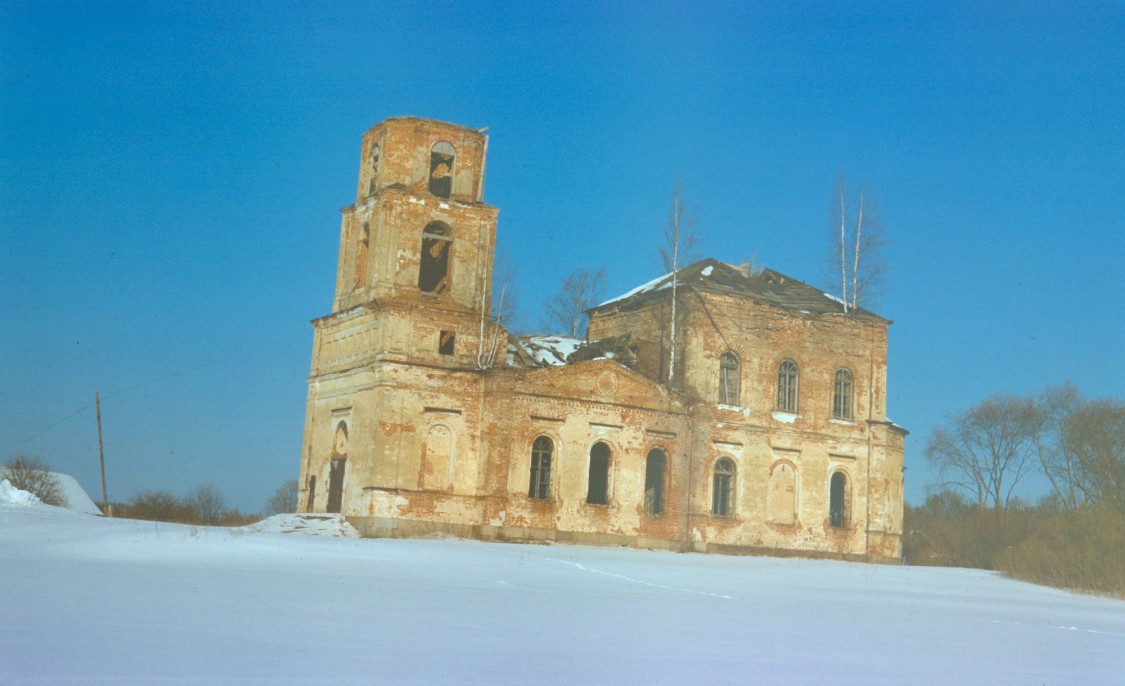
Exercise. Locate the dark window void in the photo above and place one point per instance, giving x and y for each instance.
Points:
(838, 500)
(441, 169)
(787, 386)
(374, 185)
(728, 379)
(336, 484)
(842, 395)
(597, 492)
(445, 342)
(433, 269)
(541, 452)
(311, 499)
(654, 482)
(722, 488)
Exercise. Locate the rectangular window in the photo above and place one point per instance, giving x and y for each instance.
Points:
(446, 342)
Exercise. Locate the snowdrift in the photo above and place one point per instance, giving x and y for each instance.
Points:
(108, 601)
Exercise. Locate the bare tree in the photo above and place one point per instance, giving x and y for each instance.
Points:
(680, 241)
(1057, 460)
(501, 315)
(1095, 436)
(284, 500)
(206, 504)
(565, 312)
(987, 450)
(857, 244)
(32, 475)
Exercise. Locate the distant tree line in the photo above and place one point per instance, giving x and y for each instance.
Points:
(1074, 537)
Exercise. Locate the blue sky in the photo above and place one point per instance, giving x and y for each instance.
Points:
(171, 176)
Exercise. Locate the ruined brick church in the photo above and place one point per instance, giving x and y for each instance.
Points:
(425, 416)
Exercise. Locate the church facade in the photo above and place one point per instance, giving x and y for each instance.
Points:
(757, 426)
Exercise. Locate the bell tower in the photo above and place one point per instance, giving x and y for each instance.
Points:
(419, 230)
(409, 329)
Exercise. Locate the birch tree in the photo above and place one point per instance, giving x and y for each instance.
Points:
(677, 248)
(858, 238)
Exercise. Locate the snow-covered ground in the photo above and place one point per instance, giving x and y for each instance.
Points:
(103, 601)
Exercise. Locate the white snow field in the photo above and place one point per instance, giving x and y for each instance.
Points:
(90, 600)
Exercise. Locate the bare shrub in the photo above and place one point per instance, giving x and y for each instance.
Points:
(1076, 550)
(32, 475)
(159, 506)
(206, 505)
(284, 500)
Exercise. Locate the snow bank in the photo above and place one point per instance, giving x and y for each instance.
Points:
(10, 495)
(74, 496)
(93, 600)
(308, 524)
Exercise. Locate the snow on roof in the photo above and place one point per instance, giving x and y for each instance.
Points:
(765, 286)
(550, 350)
(643, 288)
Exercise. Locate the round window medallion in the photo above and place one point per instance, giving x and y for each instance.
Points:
(607, 383)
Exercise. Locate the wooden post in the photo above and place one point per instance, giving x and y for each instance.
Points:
(101, 455)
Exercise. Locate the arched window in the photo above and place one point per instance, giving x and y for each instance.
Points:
(597, 491)
(442, 156)
(787, 386)
(838, 500)
(722, 488)
(728, 379)
(371, 187)
(541, 451)
(433, 270)
(654, 482)
(842, 395)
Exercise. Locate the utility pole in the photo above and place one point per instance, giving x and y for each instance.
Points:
(101, 455)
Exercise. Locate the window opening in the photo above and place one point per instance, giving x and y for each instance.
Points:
(441, 169)
(433, 271)
(837, 501)
(597, 492)
(722, 488)
(787, 386)
(728, 379)
(445, 342)
(541, 452)
(311, 500)
(654, 482)
(842, 395)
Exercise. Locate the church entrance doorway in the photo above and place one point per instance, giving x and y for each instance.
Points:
(336, 484)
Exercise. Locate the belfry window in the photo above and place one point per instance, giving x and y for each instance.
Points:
(597, 489)
(842, 395)
(728, 379)
(433, 269)
(722, 488)
(787, 386)
(541, 452)
(442, 156)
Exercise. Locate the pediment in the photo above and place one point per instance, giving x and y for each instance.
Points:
(597, 380)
